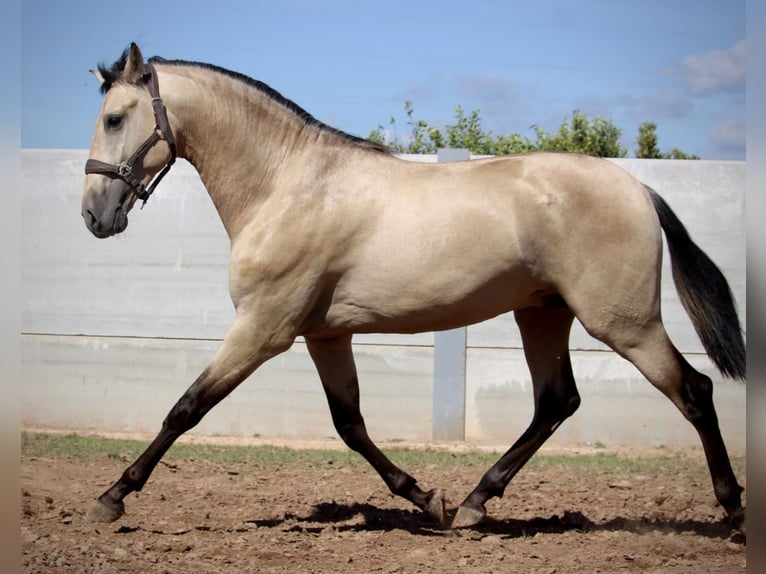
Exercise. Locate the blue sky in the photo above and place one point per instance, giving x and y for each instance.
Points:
(353, 63)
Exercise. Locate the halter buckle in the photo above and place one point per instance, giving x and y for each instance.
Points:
(125, 170)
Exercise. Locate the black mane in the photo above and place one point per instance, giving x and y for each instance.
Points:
(112, 74)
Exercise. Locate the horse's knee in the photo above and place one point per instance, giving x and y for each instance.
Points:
(353, 434)
(185, 414)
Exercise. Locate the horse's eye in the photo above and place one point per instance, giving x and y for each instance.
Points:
(113, 122)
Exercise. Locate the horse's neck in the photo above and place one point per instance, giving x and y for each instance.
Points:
(238, 139)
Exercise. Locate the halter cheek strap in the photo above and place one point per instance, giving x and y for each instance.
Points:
(162, 132)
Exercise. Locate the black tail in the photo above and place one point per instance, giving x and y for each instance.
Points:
(705, 295)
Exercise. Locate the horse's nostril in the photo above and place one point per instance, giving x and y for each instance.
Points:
(91, 221)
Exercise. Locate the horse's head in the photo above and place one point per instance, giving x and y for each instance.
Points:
(124, 155)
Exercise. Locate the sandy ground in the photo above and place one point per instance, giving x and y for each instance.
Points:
(199, 516)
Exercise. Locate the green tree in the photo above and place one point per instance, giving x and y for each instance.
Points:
(422, 139)
(466, 132)
(676, 153)
(647, 141)
(648, 145)
(597, 137)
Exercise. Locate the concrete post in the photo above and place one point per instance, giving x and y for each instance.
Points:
(449, 362)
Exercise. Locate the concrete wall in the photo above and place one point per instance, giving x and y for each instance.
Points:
(115, 330)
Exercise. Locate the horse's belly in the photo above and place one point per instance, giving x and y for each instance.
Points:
(394, 307)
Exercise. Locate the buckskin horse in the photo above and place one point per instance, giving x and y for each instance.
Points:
(333, 235)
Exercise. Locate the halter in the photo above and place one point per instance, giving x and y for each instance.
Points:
(162, 131)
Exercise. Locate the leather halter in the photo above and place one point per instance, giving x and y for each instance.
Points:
(162, 131)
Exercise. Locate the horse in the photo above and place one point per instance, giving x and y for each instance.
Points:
(333, 235)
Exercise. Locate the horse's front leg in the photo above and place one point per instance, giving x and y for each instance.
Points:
(334, 361)
(240, 354)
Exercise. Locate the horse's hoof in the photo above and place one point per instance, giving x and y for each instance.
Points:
(737, 518)
(467, 516)
(100, 512)
(435, 507)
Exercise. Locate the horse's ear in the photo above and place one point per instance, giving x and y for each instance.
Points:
(134, 67)
(98, 75)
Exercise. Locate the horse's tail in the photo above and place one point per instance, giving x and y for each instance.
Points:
(705, 295)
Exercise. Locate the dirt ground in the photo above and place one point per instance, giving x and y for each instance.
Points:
(197, 516)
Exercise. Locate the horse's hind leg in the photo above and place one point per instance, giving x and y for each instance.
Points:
(651, 351)
(334, 361)
(241, 352)
(545, 334)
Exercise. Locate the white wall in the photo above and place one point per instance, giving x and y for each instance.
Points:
(115, 330)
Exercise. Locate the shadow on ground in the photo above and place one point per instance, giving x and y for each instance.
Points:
(415, 522)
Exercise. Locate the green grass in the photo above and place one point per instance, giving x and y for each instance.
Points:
(85, 448)
(82, 447)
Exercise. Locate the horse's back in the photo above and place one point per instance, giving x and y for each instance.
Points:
(458, 243)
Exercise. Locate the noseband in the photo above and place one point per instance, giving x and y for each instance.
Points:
(162, 131)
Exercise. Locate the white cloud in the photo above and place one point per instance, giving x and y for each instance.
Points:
(729, 137)
(424, 91)
(486, 87)
(716, 71)
(653, 106)
(666, 104)
(497, 97)
(502, 102)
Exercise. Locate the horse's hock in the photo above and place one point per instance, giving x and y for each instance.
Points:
(114, 332)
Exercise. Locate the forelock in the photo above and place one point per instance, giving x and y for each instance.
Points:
(113, 73)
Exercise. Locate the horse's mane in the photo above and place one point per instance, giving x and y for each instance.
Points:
(113, 73)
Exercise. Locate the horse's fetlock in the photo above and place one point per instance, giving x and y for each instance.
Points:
(493, 484)
(402, 484)
(134, 478)
(728, 494)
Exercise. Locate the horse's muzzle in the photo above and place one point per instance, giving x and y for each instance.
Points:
(106, 226)
(106, 214)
